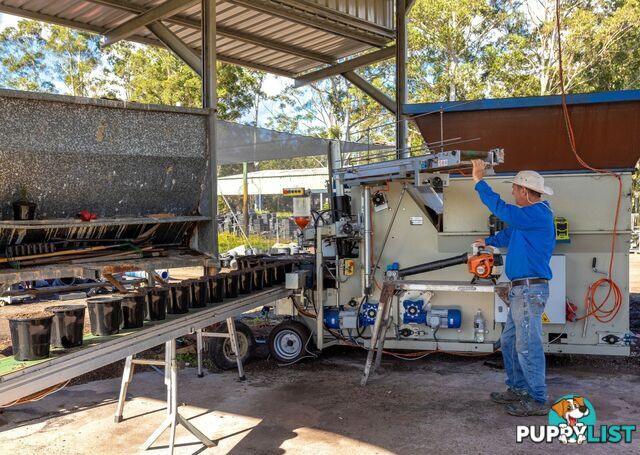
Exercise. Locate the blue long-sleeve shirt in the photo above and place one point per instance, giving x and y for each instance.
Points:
(530, 236)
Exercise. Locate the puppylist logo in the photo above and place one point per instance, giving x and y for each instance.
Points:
(572, 420)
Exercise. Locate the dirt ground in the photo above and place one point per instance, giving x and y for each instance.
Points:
(436, 405)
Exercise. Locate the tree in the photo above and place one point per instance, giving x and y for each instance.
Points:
(75, 56)
(147, 74)
(23, 64)
(448, 39)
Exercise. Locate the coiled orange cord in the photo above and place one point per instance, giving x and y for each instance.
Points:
(592, 308)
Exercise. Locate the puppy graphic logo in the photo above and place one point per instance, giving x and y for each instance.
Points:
(572, 414)
(572, 420)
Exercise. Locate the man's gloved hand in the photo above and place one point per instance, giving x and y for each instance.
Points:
(479, 242)
(478, 170)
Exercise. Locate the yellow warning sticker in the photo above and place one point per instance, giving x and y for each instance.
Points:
(545, 318)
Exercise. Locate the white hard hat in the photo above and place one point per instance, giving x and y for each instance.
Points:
(531, 180)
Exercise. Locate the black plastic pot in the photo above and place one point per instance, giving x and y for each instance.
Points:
(31, 337)
(231, 285)
(157, 302)
(216, 288)
(67, 325)
(24, 210)
(280, 274)
(288, 267)
(133, 307)
(245, 279)
(200, 293)
(269, 276)
(105, 315)
(257, 278)
(180, 298)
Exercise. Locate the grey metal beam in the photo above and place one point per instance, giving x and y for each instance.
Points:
(258, 66)
(208, 233)
(349, 65)
(275, 45)
(228, 32)
(371, 90)
(189, 56)
(178, 46)
(301, 16)
(402, 130)
(166, 9)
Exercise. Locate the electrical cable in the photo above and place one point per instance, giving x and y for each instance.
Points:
(564, 328)
(592, 308)
(36, 396)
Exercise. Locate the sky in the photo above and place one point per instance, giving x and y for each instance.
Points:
(7, 21)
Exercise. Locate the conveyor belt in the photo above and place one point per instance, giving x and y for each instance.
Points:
(30, 377)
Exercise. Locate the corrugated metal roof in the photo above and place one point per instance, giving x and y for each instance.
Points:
(286, 37)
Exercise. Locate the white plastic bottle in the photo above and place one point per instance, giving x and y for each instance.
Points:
(478, 327)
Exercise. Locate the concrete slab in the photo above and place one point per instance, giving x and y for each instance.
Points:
(435, 405)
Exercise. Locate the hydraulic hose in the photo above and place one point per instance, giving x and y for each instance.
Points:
(435, 265)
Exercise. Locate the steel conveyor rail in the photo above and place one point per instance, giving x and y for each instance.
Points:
(34, 378)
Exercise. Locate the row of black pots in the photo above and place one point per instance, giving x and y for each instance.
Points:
(62, 327)
(59, 326)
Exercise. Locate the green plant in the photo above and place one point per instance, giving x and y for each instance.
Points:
(188, 358)
(23, 192)
(227, 241)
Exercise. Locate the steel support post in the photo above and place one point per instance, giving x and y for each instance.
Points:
(208, 232)
(401, 78)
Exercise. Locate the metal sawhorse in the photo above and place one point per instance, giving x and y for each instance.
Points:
(171, 380)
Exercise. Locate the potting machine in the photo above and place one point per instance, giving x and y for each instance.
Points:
(391, 215)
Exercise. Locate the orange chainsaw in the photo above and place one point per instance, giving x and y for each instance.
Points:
(484, 263)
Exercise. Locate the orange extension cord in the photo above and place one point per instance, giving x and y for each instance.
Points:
(592, 308)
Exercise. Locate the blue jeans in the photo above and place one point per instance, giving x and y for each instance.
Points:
(521, 341)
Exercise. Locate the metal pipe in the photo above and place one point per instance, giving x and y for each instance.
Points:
(319, 303)
(366, 260)
(434, 265)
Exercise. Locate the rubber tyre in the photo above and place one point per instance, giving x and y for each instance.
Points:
(220, 350)
(289, 342)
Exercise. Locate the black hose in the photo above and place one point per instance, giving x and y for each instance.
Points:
(434, 265)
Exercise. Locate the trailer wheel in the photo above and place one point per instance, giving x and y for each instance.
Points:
(221, 351)
(289, 342)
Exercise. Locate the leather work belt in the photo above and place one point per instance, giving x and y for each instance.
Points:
(528, 281)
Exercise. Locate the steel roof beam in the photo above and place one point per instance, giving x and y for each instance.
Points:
(346, 66)
(371, 90)
(275, 45)
(193, 60)
(167, 9)
(301, 16)
(226, 32)
(175, 44)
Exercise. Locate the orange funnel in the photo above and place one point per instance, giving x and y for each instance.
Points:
(301, 221)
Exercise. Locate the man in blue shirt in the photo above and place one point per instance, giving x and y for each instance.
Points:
(530, 240)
